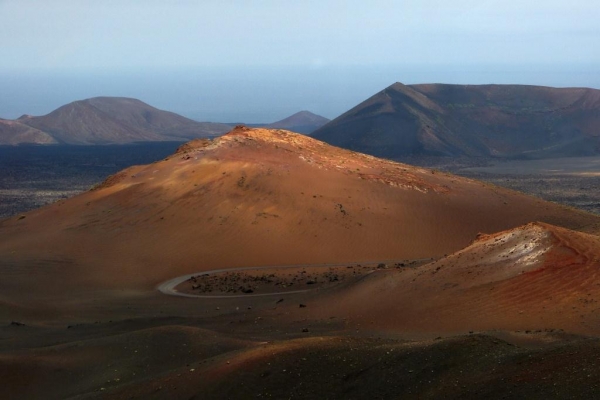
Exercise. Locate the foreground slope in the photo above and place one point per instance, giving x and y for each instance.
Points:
(536, 277)
(256, 197)
(471, 120)
(106, 120)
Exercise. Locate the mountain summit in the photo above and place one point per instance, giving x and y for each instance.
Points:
(301, 122)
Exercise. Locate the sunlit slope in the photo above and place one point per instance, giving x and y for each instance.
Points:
(259, 197)
(536, 277)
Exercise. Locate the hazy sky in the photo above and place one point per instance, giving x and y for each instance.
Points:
(261, 60)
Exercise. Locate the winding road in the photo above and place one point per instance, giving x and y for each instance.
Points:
(169, 287)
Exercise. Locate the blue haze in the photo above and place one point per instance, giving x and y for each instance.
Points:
(259, 94)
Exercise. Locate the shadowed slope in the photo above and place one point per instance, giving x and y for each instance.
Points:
(14, 132)
(471, 367)
(122, 361)
(47, 371)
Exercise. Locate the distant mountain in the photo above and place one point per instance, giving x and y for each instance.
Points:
(301, 122)
(106, 120)
(14, 132)
(471, 120)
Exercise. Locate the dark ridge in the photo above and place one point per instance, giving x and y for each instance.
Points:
(501, 121)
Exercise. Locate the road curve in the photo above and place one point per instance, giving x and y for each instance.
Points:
(169, 287)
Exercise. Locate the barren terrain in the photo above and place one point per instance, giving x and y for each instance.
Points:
(34, 176)
(572, 181)
(502, 302)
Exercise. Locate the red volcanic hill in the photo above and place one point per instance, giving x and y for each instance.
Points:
(534, 277)
(301, 122)
(107, 120)
(253, 197)
(471, 120)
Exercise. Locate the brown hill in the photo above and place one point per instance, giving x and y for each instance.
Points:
(301, 122)
(14, 132)
(259, 197)
(105, 120)
(471, 120)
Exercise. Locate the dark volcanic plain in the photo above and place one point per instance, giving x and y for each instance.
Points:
(34, 176)
(579, 189)
(572, 181)
(422, 284)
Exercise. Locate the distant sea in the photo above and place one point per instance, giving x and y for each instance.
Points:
(262, 94)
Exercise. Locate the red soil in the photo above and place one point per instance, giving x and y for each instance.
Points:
(535, 277)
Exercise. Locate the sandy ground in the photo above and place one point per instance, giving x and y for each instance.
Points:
(80, 315)
(536, 277)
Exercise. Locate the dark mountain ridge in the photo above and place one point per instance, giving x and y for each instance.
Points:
(117, 120)
(471, 120)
